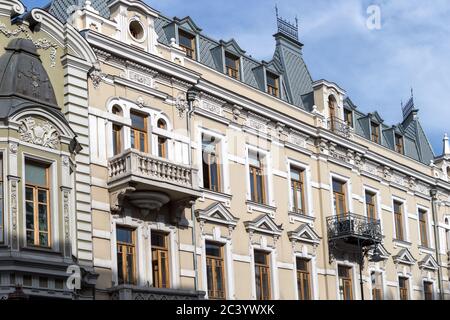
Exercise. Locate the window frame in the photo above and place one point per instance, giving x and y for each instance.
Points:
(375, 134)
(215, 259)
(377, 290)
(343, 195)
(2, 200)
(349, 280)
(137, 132)
(158, 249)
(427, 283)
(300, 275)
(208, 165)
(254, 173)
(404, 292)
(423, 227)
(191, 53)
(232, 72)
(35, 190)
(133, 246)
(117, 130)
(399, 217)
(263, 267)
(295, 183)
(273, 90)
(372, 205)
(399, 143)
(348, 114)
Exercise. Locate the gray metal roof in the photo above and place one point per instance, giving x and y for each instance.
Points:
(63, 9)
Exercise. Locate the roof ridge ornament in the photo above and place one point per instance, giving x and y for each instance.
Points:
(287, 28)
(409, 106)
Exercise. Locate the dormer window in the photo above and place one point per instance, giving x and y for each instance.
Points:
(375, 132)
(187, 43)
(232, 65)
(399, 146)
(348, 117)
(273, 84)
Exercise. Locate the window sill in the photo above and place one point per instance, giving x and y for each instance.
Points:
(299, 217)
(259, 207)
(402, 243)
(216, 196)
(426, 250)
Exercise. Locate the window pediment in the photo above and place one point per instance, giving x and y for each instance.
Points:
(429, 263)
(265, 225)
(217, 214)
(304, 234)
(404, 257)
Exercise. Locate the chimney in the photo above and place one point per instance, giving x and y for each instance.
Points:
(446, 151)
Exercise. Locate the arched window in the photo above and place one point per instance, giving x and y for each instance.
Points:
(333, 111)
(162, 140)
(117, 110)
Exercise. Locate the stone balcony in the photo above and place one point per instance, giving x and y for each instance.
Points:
(149, 182)
(129, 292)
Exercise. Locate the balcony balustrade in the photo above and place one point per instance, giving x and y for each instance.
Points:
(340, 127)
(354, 229)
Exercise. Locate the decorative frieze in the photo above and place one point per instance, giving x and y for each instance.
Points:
(257, 122)
(297, 138)
(211, 104)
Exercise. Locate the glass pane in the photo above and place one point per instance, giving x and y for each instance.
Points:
(35, 174)
(137, 121)
(29, 194)
(306, 290)
(213, 250)
(185, 40)
(120, 266)
(133, 140)
(142, 142)
(265, 284)
(43, 239)
(29, 215)
(302, 265)
(209, 276)
(260, 258)
(164, 270)
(42, 196)
(124, 235)
(43, 221)
(254, 160)
(158, 240)
(295, 175)
(130, 264)
(258, 283)
(259, 182)
(337, 186)
(30, 237)
(219, 277)
(271, 80)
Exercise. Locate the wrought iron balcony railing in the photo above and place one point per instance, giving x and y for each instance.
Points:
(352, 227)
(340, 127)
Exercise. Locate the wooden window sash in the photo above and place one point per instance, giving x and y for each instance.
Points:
(232, 71)
(36, 231)
(423, 229)
(139, 133)
(297, 186)
(273, 89)
(302, 277)
(428, 291)
(254, 173)
(218, 172)
(371, 207)
(375, 134)
(399, 223)
(117, 130)
(125, 248)
(162, 147)
(162, 260)
(214, 263)
(190, 51)
(340, 197)
(264, 275)
(399, 146)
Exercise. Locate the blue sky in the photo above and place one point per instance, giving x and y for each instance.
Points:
(377, 68)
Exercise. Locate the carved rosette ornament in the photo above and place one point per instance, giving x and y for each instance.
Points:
(39, 132)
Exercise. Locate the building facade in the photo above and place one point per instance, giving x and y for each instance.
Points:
(204, 173)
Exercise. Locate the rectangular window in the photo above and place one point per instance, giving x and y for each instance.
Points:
(399, 146)
(117, 139)
(126, 255)
(403, 288)
(340, 205)
(257, 180)
(348, 117)
(371, 209)
(375, 128)
(2, 216)
(303, 279)
(187, 43)
(138, 131)
(262, 275)
(345, 283)
(273, 84)
(232, 65)
(377, 286)
(212, 179)
(297, 190)
(423, 227)
(37, 204)
(215, 271)
(428, 290)
(398, 219)
(160, 260)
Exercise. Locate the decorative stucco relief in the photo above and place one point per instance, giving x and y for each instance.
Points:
(39, 132)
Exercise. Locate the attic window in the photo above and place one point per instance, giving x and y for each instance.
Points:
(399, 145)
(187, 43)
(232, 65)
(375, 132)
(273, 84)
(136, 30)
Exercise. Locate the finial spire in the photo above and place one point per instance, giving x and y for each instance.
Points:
(287, 28)
(446, 151)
